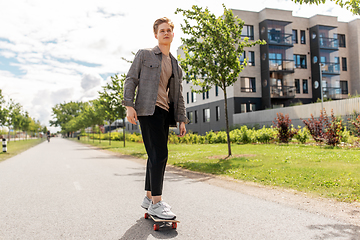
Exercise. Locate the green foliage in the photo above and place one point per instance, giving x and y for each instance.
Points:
(351, 5)
(302, 135)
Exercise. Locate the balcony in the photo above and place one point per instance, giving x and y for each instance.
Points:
(282, 91)
(330, 68)
(277, 38)
(276, 65)
(328, 43)
(332, 92)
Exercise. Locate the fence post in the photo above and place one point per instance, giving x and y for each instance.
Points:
(4, 145)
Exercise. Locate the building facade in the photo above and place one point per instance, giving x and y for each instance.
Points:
(287, 70)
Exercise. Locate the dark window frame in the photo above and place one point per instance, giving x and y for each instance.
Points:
(295, 36)
(341, 40)
(297, 86)
(344, 87)
(251, 58)
(305, 82)
(302, 37)
(344, 63)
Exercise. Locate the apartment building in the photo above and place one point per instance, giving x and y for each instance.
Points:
(287, 70)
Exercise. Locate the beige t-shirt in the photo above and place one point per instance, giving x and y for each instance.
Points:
(166, 71)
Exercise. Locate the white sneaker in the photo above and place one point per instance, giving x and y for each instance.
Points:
(146, 203)
(161, 210)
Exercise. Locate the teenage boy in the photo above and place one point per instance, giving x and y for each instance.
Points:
(159, 104)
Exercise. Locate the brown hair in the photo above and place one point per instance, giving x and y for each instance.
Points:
(161, 21)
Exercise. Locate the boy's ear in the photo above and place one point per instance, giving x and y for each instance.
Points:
(155, 35)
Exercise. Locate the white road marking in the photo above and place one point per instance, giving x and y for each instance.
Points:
(77, 186)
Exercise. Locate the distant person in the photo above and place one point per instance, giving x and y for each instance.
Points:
(159, 104)
(48, 136)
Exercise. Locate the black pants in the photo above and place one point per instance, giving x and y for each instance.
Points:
(155, 131)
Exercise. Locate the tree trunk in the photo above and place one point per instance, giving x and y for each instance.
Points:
(227, 123)
(110, 133)
(124, 130)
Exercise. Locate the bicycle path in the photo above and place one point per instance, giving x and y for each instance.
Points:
(66, 190)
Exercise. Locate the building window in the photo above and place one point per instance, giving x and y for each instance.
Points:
(337, 64)
(344, 87)
(341, 40)
(187, 97)
(217, 111)
(243, 107)
(216, 91)
(344, 64)
(206, 115)
(294, 36)
(247, 84)
(205, 94)
(242, 57)
(193, 97)
(252, 107)
(305, 86)
(302, 37)
(248, 31)
(251, 58)
(300, 61)
(196, 116)
(190, 116)
(297, 85)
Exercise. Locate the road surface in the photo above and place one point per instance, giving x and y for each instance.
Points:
(66, 190)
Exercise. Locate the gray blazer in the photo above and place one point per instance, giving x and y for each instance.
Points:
(144, 74)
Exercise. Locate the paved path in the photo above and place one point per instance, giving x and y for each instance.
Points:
(65, 190)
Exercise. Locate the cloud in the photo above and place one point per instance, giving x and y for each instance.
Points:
(89, 81)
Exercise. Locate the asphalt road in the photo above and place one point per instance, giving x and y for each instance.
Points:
(65, 190)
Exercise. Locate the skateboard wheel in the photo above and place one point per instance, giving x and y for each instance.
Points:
(156, 227)
(146, 216)
(174, 225)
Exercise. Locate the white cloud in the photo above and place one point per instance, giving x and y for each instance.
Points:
(89, 81)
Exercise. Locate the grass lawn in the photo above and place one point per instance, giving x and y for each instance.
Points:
(14, 148)
(322, 171)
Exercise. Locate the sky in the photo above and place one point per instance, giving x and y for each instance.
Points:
(59, 51)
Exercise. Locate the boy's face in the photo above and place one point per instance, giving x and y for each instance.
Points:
(165, 35)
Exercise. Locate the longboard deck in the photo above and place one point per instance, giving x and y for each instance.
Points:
(165, 222)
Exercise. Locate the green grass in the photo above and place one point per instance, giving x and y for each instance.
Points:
(322, 171)
(14, 148)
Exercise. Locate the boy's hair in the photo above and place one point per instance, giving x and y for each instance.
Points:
(160, 21)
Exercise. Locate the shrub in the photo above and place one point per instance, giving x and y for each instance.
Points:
(302, 135)
(315, 127)
(284, 128)
(333, 129)
(356, 124)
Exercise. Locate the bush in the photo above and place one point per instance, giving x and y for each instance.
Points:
(284, 128)
(315, 127)
(302, 135)
(333, 129)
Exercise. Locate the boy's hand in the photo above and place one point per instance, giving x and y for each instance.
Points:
(182, 129)
(131, 115)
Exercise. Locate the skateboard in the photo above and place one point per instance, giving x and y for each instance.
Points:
(162, 222)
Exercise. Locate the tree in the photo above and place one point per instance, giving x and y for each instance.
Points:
(26, 123)
(111, 98)
(4, 112)
(16, 117)
(351, 5)
(63, 113)
(212, 51)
